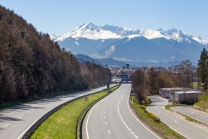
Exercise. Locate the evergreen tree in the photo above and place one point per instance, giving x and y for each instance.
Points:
(202, 70)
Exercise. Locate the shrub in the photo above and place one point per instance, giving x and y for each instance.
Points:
(143, 107)
(147, 100)
(155, 118)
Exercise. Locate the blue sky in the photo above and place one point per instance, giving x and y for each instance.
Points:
(60, 16)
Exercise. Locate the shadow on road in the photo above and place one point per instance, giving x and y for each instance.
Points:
(9, 119)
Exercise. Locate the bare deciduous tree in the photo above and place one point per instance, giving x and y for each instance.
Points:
(32, 64)
(185, 73)
(139, 85)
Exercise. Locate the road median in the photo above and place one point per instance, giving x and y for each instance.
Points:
(63, 122)
(158, 127)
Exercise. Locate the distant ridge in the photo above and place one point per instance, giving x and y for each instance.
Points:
(136, 46)
(84, 58)
(92, 31)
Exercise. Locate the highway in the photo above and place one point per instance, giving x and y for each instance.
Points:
(15, 121)
(177, 123)
(193, 113)
(111, 118)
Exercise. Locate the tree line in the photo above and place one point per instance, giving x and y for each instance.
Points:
(32, 64)
(149, 81)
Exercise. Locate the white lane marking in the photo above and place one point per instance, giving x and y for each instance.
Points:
(105, 123)
(139, 120)
(26, 129)
(31, 112)
(109, 131)
(8, 114)
(6, 125)
(104, 112)
(159, 111)
(120, 113)
(175, 121)
(104, 117)
(20, 117)
(136, 136)
(89, 117)
(170, 118)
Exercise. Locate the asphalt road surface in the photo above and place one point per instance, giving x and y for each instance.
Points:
(116, 79)
(14, 122)
(111, 118)
(193, 113)
(177, 123)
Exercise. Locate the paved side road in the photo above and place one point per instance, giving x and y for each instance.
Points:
(14, 122)
(193, 113)
(182, 126)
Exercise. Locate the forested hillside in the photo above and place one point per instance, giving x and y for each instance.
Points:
(31, 64)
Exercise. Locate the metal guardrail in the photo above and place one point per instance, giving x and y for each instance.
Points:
(30, 131)
(43, 118)
(82, 116)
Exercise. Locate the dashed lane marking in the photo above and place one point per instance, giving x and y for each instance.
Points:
(136, 136)
(6, 125)
(8, 114)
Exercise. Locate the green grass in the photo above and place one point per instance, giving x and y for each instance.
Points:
(190, 119)
(133, 99)
(167, 107)
(62, 123)
(202, 104)
(158, 127)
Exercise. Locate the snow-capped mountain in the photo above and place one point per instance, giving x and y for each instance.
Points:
(94, 32)
(132, 45)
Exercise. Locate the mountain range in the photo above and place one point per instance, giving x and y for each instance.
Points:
(138, 47)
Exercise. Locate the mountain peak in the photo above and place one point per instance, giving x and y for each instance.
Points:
(174, 30)
(94, 32)
(88, 26)
(159, 29)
